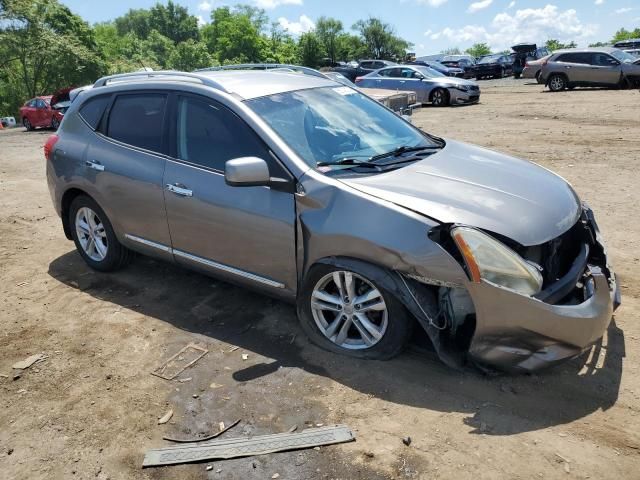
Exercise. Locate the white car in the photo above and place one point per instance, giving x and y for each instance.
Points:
(8, 122)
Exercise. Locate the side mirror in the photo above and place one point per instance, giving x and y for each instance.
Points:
(247, 172)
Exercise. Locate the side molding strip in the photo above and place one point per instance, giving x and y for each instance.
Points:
(204, 261)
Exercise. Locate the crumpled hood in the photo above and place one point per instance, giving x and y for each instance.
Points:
(451, 81)
(474, 186)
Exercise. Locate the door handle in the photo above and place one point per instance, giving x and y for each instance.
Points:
(179, 189)
(94, 165)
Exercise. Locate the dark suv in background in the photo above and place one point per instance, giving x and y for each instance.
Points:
(526, 52)
(363, 68)
(590, 67)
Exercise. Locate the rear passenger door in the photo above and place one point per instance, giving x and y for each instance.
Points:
(576, 66)
(126, 161)
(243, 233)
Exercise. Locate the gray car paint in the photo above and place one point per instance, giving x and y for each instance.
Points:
(323, 223)
(422, 87)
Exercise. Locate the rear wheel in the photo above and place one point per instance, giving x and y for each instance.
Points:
(345, 312)
(557, 82)
(538, 79)
(440, 97)
(94, 236)
(55, 123)
(27, 124)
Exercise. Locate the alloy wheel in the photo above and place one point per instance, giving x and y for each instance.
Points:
(55, 123)
(438, 98)
(349, 310)
(556, 83)
(91, 233)
(27, 124)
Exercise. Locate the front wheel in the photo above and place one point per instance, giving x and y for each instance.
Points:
(344, 312)
(440, 97)
(27, 124)
(557, 83)
(55, 123)
(94, 236)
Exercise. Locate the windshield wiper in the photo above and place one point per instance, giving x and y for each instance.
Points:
(404, 149)
(353, 162)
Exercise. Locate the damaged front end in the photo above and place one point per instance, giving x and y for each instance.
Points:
(514, 329)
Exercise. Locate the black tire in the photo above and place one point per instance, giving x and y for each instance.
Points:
(55, 123)
(538, 77)
(503, 73)
(516, 76)
(478, 77)
(557, 82)
(117, 255)
(440, 97)
(394, 339)
(27, 124)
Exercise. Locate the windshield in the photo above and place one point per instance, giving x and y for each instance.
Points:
(329, 124)
(624, 57)
(489, 59)
(429, 72)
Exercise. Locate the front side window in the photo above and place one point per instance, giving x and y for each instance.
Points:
(137, 120)
(209, 134)
(330, 124)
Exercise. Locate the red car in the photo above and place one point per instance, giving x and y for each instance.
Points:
(45, 111)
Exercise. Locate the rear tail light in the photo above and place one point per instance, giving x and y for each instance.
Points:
(358, 79)
(48, 147)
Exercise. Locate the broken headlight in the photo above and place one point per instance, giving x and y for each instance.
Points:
(488, 259)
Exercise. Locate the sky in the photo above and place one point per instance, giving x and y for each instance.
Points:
(431, 25)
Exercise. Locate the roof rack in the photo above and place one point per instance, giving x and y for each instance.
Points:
(161, 75)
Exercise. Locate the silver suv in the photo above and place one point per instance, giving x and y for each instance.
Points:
(310, 191)
(592, 67)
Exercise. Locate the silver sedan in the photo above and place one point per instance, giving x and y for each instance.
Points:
(430, 86)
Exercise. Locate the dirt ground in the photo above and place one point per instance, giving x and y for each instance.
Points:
(91, 409)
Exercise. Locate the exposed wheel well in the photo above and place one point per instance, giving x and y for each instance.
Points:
(67, 198)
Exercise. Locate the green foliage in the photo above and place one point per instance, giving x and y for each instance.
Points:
(380, 39)
(310, 49)
(44, 47)
(328, 31)
(478, 50)
(234, 34)
(190, 55)
(623, 34)
(554, 45)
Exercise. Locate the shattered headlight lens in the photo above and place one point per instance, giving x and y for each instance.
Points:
(486, 258)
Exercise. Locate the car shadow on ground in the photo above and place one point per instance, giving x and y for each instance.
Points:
(494, 405)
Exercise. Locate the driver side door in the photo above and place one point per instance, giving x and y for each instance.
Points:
(244, 234)
(604, 69)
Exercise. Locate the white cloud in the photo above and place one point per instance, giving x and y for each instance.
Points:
(433, 3)
(201, 21)
(205, 6)
(303, 25)
(599, 2)
(526, 25)
(623, 10)
(481, 5)
(270, 4)
(428, 32)
(512, 4)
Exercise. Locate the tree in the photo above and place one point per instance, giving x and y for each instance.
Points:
(174, 22)
(452, 51)
(190, 55)
(598, 44)
(624, 34)
(478, 50)
(380, 39)
(46, 46)
(350, 47)
(233, 35)
(135, 21)
(554, 45)
(328, 31)
(310, 49)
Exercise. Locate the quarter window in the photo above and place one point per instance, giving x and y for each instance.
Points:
(209, 134)
(92, 110)
(137, 119)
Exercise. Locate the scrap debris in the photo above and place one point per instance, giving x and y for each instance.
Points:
(203, 439)
(182, 360)
(166, 417)
(245, 446)
(29, 361)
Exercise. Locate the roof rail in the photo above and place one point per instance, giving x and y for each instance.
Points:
(160, 74)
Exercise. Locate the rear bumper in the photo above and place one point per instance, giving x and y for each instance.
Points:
(516, 332)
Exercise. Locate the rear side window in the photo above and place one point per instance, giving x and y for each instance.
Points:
(92, 110)
(208, 135)
(137, 120)
(574, 58)
(366, 65)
